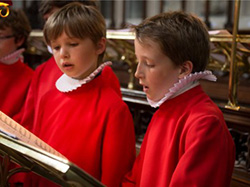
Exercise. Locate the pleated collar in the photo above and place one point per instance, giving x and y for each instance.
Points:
(183, 85)
(13, 57)
(68, 84)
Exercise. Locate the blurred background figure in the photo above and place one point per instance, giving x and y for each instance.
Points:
(15, 75)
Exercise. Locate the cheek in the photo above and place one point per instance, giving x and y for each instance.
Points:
(57, 59)
(56, 55)
(2, 48)
(158, 78)
(6, 50)
(162, 82)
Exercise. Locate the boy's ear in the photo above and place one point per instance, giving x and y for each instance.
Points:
(101, 45)
(20, 41)
(185, 69)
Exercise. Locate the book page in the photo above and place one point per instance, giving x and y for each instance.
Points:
(11, 128)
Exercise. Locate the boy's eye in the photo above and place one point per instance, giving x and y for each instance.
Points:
(150, 65)
(74, 44)
(56, 48)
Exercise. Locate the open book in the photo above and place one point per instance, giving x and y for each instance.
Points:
(16, 131)
(33, 154)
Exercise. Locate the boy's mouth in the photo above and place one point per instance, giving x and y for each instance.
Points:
(145, 88)
(66, 64)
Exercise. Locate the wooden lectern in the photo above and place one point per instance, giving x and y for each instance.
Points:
(20, 146)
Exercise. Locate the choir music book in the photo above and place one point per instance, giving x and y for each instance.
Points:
(33, 154)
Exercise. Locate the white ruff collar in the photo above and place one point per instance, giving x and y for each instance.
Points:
(67, 84)
(183, 85)
(49, 49)
(13, 57)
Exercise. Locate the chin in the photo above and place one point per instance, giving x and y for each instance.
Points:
(151, 98)
(155, 99)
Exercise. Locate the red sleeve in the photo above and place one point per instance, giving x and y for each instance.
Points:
(118, 146)
(204, 164)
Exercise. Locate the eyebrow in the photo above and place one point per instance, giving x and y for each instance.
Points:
(52, 41)
(141, 56)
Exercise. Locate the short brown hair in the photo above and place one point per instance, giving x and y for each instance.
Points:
(19, 23)
(181, 36)
(47, 5)
(76, 20)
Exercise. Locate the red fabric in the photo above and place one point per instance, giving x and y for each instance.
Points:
(92, 127)
(111, 79)
(15, 80)
(187, 144)
(44, 80)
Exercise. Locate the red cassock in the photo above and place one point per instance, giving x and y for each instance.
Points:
(186, 144)
(44, 80)
(92, 127)
(15, 80)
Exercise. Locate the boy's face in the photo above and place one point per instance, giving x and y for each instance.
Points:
(76, 57)
(155, 71)
(7, 42)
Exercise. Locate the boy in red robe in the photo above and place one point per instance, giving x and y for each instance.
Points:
(47, 73)
(15, 76)
(187, 142)
(83, 117)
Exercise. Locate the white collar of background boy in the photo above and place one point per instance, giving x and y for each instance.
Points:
(183, 85)
(49, 49)
(68, 84)
(13, 57)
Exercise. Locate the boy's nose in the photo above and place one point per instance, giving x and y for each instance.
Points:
(64, 53)
(138, 72)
